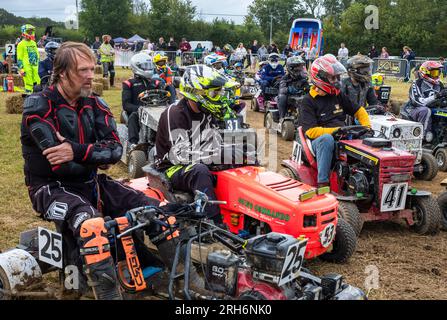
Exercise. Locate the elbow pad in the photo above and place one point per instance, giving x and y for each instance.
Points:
(43, 135)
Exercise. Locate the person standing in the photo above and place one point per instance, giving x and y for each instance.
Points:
(408, 55)
(373, 52)
(28, 58)
(107, 58)
(172, 50)
(384, 54)
(343, 54)
(253, 51)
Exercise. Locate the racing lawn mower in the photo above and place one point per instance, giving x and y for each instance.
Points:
(370, 178)
(260, 201)
(261, 100)
(437, 142)
(155, 102)
(266, 267)
(285, 127)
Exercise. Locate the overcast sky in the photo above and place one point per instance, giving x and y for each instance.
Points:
(56, 10)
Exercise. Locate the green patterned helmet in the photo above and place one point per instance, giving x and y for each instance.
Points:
(206, 86)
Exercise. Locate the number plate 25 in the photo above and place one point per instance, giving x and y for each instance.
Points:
(394, 196)
(293, 262)
(50, 247)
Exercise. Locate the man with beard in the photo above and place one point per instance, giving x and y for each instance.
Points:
(67, 134)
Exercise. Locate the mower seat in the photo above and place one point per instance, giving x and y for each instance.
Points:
(159, 180)
(308, 155)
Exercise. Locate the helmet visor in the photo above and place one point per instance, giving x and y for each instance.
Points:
(215, 94)
(435, 73)
(146, 66)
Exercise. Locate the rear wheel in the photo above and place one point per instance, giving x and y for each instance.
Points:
(254, 104)
(441, 159)
(442, 202)
(252, 295)
(4, 285)
(137, 160)
(288, 130)
(344, 244)
(429, 167)
(427, 215)
(268, 121)
(288, 173)
(350, 213)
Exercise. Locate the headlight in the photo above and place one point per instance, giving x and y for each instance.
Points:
(417, 132)
(396, 133)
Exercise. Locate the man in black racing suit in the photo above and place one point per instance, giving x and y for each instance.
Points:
(67, 134)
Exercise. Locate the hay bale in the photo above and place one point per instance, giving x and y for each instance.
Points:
(98, 69)
(97, 88)
(105, 83)
(18, 80)
(14, 103)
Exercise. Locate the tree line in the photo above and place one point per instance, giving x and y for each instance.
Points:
(420, 25)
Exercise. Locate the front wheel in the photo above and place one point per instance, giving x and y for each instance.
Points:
(288, 130)
(441, 159)
(427, 215)
(344, 244)
(137, 160)
(429, 167)
(350, 213)
(288, 173)
(442, 202)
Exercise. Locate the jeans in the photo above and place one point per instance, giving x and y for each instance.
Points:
(324, 149)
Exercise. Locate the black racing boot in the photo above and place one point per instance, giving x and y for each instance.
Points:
(166, 250)
(103, 280)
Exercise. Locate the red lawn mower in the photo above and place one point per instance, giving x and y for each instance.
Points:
(370, 179)
(260, 201)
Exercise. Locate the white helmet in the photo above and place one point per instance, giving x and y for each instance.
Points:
(142, 65)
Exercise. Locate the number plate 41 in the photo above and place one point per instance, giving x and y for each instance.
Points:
(394, 196)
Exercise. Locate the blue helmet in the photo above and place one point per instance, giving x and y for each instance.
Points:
(238, 64)
(50, 49)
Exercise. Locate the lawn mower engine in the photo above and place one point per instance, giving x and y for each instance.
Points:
(403, 134)
(272, 270)
(372, 171)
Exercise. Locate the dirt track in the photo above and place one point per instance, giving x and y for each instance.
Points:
(409, 266)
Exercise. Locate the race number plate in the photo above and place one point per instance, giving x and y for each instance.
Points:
(394, 196)
(10, 49)
(144, 118)
(296, 153)
(232, 124)
(327, 235)
(293, 262)
(50, 247)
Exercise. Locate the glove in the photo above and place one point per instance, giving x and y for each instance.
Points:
(441, 94)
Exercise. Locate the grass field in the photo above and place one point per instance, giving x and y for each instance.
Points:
(17, 215)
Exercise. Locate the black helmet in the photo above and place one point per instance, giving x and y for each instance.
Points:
(50, 49)
(296, 67)
(359, 68)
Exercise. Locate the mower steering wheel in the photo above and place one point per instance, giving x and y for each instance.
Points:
(350, 132)
(155, 97)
